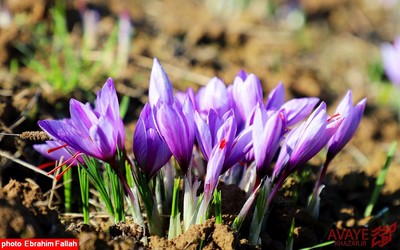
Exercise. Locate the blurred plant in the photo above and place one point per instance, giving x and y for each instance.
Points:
(385, 71)
(125, 32)
(391, 60)
(288, 13)
(65, 65)
(234, 130)
(5, 16)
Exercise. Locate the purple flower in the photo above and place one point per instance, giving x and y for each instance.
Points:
(268, 130)
(228, 150)
(160, 88)
(96, 132)
(226, 135)
(175, 124)
(306, 140)
(352, 118)
(209, 133)
(150, 151)
(391, 60)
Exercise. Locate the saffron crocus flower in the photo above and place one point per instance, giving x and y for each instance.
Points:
(341, 137)
(175, 124)
(215, 164)
(352, 118)
(303, 143)
(306, 140)
(268, 130)
(391, 60)
(160, 88)
(227, 150)
(209, 133)
(95, 132)
(150, 151)
(217, 157)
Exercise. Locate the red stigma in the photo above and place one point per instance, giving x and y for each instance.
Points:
(222, 144)
(333, 117)
(56, 148)
(46, 165)
(71, 161)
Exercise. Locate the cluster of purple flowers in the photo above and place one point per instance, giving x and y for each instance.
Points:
(229, 125)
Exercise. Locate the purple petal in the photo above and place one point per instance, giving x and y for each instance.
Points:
(103, 137)
(160, 88)
(175, 131)
(227, 131)
(55, 129)
(213, 96)
(266, 138)
(246, 94)
(276, 98)
(240, 147)
(313, 131)
(298, 109)
(140, 143)
(158, 152)
(203, 135)
(242, 74)
(214, 166)
(74, 138)
(82, 116)
(352, 118)
(107, 98)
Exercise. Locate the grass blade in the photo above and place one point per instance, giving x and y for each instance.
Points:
(380, 181)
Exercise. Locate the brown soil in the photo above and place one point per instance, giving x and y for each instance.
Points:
(333, 52)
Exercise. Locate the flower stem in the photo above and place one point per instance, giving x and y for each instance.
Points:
(114, 165)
